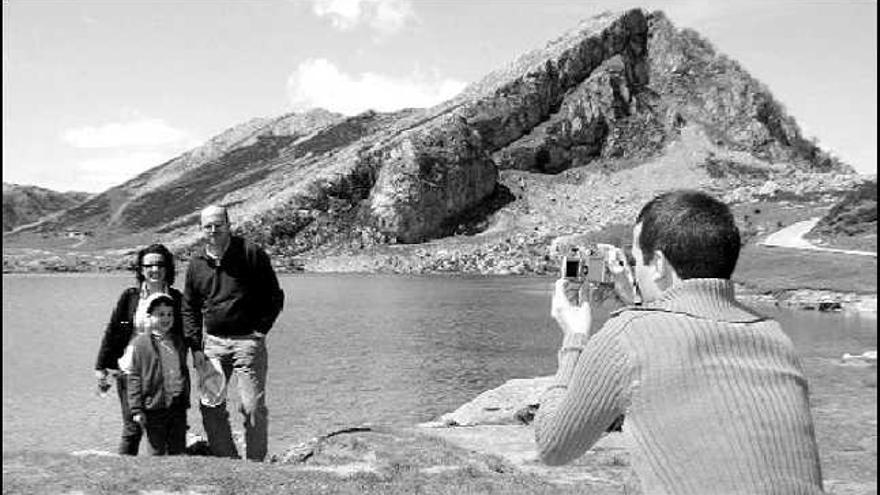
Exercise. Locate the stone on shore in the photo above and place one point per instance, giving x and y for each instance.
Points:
(497, 406)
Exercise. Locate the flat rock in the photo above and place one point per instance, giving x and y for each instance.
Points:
(497, 406)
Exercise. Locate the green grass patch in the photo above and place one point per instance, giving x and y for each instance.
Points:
(774, 269)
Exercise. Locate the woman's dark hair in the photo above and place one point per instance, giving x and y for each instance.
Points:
(696, 232)
(167, 260)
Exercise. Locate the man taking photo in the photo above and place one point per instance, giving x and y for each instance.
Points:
(714, 396)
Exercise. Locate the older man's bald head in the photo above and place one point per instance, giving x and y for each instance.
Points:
(215, 227)
(213, 214)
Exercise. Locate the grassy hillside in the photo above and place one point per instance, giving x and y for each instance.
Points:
(852, 222)
(26, 204)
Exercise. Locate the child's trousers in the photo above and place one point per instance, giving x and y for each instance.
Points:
(166, 431)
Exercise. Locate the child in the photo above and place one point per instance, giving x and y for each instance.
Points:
(158, 380)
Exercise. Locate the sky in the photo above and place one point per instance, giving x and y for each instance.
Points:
(97, 91)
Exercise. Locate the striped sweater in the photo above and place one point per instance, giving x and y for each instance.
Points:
(714, 395)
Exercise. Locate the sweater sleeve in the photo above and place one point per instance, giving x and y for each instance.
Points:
(177, 326)
(272, 297)
(191, 310)
(590, 391)
(116, 334)
(134, 383)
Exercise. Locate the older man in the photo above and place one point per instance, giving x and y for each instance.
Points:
(230, 302)
(714, 393)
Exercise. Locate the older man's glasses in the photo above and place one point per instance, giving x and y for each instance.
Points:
(215, 227)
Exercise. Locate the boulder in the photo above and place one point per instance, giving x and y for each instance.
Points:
(498, 406)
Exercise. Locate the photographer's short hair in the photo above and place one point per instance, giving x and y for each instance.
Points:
(696, 232)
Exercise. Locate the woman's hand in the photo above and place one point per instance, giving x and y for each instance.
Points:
(570, 317)
(103, 381)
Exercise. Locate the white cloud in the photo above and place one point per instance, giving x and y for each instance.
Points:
(391, 16)
(100, 173)
(143, 132)
(319, 83)
(385, 16)
(116, 152)
(343, 14)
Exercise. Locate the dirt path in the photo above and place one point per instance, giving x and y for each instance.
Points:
(793, 237)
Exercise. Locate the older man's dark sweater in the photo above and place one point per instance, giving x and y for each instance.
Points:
(235, 295)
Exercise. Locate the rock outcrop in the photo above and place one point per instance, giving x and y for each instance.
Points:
(429, 176)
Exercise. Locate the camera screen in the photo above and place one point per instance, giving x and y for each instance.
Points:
(572, 268)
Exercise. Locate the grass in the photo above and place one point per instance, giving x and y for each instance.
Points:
(862, 242)
(776, 269)
(399, 458)
(769, 269)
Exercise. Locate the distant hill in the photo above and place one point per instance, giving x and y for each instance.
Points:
(852, 222)
(855, 214)
(570, 137)
(26, 204)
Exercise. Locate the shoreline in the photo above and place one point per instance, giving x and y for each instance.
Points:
(808, 299)
(820, 300)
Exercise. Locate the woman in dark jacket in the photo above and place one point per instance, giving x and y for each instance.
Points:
(154, 273)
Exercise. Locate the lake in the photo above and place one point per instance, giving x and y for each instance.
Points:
(346, 350)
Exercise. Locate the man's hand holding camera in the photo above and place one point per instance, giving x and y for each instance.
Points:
(570, 306)
(572, 318)
(624, 281)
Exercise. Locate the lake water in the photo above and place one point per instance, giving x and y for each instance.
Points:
(347, 349)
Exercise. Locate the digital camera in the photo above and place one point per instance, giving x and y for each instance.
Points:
(587, 263)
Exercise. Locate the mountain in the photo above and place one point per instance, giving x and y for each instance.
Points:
(26, 204)
(571, 137)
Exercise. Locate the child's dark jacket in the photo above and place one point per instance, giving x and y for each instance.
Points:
(146, 391)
